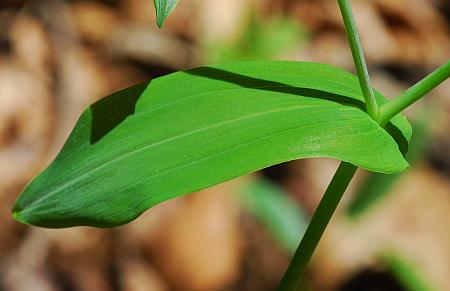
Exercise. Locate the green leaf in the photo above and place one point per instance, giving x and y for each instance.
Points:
(191, 130)
(163, 8)
(377, 186)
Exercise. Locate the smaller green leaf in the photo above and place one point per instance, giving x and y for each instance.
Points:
(163, 9)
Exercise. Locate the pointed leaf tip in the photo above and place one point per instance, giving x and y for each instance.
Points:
(163, 9)
(16, 215)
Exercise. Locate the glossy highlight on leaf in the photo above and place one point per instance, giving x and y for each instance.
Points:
(163, 9)
(194, 129)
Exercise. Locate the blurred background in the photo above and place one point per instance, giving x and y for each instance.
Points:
(390, 232)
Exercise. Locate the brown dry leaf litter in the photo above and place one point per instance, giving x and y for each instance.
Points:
(57, 57)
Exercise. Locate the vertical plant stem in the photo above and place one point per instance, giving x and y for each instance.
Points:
(358, 58)
(344, 173)
(414, 93)
(317, 226)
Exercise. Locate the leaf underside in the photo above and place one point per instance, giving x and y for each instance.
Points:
(163, 8)
(193, 129)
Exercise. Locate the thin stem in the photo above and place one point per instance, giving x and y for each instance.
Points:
(344, 173)
(414, 93)
(317, 226)
(358, 59)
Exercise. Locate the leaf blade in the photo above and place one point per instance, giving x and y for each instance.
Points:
(163, 9)
(194, 129)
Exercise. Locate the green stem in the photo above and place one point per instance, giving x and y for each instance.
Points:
(414, 93)
(317, 226)
(344, 173)
(358, 59)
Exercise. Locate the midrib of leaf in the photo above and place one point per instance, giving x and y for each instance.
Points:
(142, 113)
(127, 154)
(218, 153)
(338, 77)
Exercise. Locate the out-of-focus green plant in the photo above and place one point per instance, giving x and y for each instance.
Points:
(407, 273)
(276, 210)
(190, 130)
(258, 40)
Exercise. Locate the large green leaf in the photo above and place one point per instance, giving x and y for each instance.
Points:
(190, 130)
(163, 8)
